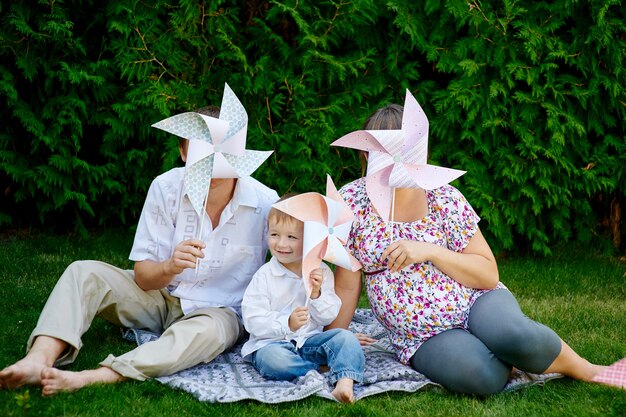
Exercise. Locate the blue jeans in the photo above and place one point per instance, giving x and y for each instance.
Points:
(337, 348)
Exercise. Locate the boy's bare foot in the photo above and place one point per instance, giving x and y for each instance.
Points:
(54, 380)
(344, 390)
(23, 372)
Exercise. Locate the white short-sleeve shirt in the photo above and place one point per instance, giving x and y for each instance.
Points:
(234, 250)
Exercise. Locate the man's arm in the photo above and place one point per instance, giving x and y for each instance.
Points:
(153, 275)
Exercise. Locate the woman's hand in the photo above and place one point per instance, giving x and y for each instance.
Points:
(364, 340)
(403, 253)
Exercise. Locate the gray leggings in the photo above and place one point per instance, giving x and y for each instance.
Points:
(479, 360)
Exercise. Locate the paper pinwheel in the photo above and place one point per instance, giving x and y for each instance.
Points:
(614, 375)
(217, 147)
(327, 222)
(398, 158)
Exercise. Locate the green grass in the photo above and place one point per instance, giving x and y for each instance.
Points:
(580, 294)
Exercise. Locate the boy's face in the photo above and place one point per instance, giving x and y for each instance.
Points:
(285, 242)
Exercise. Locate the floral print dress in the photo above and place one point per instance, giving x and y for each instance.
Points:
(420, 301)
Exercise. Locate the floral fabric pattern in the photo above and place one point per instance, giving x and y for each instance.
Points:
(420, 301)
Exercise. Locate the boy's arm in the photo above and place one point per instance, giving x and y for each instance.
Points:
(153, 275)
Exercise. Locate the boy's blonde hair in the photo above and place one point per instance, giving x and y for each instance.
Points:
(280, 216)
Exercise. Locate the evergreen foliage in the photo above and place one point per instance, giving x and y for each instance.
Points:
(527, 96)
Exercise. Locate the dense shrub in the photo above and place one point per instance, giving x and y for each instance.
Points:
(527, 96)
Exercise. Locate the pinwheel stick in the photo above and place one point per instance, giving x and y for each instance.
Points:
(202, 216)
(393, 203)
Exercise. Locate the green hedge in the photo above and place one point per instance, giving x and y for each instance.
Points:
(527, 96)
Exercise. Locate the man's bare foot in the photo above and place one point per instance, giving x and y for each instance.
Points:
(54, 380)
(27, 371)
(344, 390)
(23, 372)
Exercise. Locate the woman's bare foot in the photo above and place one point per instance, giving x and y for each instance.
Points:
(344, 390)
(26, 371)
(54, 380)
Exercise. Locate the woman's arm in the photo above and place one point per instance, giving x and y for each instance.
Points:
(153, 275)
(474, 267)
(348, 288)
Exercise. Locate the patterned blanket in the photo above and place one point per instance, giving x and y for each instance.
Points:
(228, 378)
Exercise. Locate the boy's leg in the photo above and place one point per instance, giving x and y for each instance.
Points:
(340, 349)
(280, 360)
(195, 338)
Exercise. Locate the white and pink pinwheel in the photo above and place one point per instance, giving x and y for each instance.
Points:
(398, 158)
(327, 222)
(217, 147)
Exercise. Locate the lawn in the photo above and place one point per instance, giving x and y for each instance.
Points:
(577, 292)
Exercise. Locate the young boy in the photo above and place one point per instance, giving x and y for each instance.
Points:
(286, 330)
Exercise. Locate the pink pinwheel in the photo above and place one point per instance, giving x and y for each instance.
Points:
(327, 222)
(217, 147)
(614, 375)
(398, 158)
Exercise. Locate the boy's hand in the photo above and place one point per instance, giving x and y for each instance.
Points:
(298, 318)
(185, 255)
(316, 278)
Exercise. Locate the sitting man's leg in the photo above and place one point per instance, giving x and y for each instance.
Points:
(197, 337)
(86, 289)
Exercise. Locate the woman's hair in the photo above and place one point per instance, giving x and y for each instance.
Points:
(385, 118)
(280, 216)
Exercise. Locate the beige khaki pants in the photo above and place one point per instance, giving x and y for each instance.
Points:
(90, 288)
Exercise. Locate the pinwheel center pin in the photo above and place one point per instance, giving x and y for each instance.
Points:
(330, 230)
(217, 148)
(397, 159)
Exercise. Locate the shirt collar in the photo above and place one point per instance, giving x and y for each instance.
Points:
(245, 193)
(279, 270)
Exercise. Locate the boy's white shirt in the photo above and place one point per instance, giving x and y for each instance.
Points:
(271, 297)
(235, 249)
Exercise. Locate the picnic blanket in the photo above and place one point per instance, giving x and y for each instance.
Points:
(228, 378)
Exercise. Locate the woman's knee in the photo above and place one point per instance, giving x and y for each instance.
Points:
(469, 376)
(479, 378)
(461, 363)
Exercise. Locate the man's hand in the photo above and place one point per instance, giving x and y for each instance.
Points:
(185, 255)
(316, 278)
(298, 318)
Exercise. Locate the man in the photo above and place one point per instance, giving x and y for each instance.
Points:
(187, 288)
